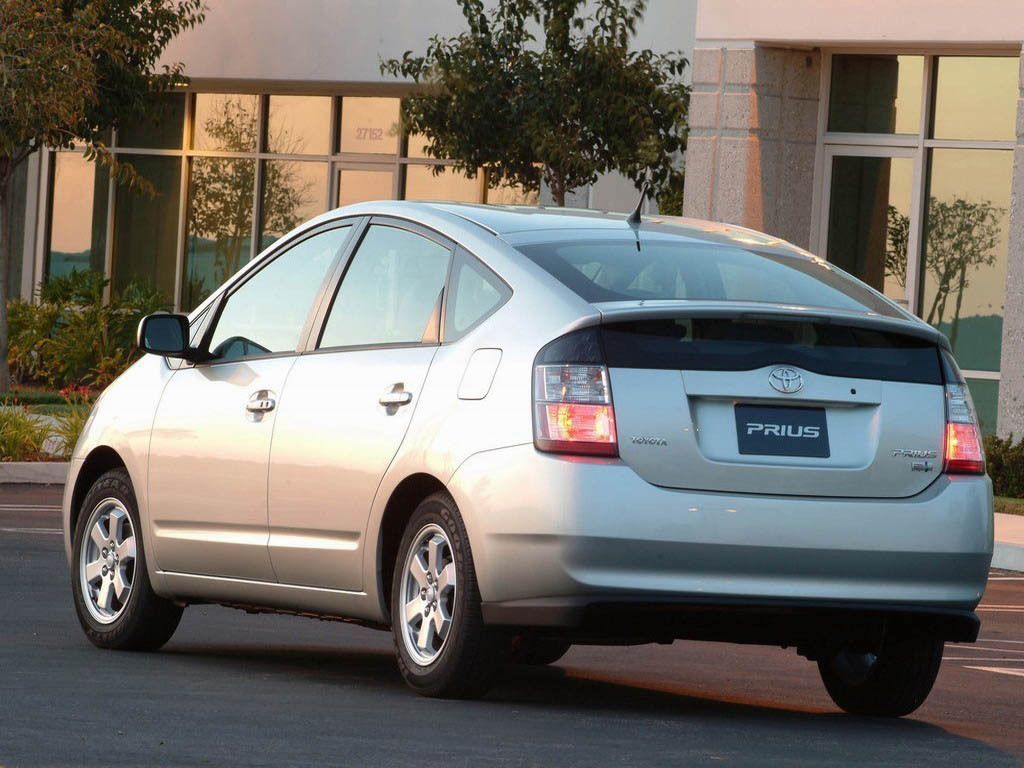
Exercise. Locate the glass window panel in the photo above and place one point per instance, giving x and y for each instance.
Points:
(422, 184)
(219, 224)
(369, 124)
(299, 125)
(358, 186)
(225, 122)
(268, 312)
(146, 227)
(78, 216)
(876, 94)
(16, 215)
(293, 192)
(476, 293)
(390, 291)
(163, 128)
(965, 251)
(976, 98)
(869, 220)
(417, 145)
(985, 394)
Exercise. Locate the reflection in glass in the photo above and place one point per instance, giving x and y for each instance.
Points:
(360, 186)
(965, 251)
(299, 125)
(985, 394)
(162, 129)
(225, 122)
(146, 227)
(869, 220)
(876, 93)
(16, 216)
(78, 216)
(293, 192)
(369, 124)
(219, 224)
(976, 98)
(422, 184)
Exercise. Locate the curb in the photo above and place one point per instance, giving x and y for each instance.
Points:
(34, 472)
(1009, 557)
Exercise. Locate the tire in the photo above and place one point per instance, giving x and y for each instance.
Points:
(458, 659)
(892, 683)
(538, 651)
(128, 616)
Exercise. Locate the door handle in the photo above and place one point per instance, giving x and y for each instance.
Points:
(261, 402)
(395, 397)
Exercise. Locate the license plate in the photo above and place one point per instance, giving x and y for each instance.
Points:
(766, 430)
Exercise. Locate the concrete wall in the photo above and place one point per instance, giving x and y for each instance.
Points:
(1011, 385)
(750, 156)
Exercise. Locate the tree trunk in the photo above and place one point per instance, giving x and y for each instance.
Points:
(6, 182)
(557, 186)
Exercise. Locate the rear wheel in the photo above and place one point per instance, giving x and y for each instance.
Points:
(890, 683)
(114, 600)
(444, 648)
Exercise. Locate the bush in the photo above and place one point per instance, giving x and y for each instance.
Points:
(21, 435)
(1005, 464)
(68, 428)
(71, 336)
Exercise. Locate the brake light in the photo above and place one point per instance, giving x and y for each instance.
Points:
(573, 410)
(964, 453)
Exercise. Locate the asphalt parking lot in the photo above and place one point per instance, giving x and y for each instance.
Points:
(234, 689)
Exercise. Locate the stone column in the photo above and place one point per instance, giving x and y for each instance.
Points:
(753, 131)
(1011, 384)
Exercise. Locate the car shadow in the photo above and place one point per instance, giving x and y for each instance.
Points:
(538, 694)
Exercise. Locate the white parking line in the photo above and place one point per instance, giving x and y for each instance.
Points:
(978, 658)
(983, 649)
(47, 531)
(1000, 670)
(995, 640)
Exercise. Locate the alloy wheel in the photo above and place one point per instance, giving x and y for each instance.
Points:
(428, 594)
(107, 561)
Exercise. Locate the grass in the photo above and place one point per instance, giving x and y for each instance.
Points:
(1008, 506)
(21, 435)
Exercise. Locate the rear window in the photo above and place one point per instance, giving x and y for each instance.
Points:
(615, 269)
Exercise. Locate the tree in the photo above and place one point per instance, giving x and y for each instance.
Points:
(563, 109)
(69, 71)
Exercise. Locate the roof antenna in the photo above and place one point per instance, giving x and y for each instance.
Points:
(634, 218)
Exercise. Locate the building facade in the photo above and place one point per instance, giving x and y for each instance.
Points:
(888, 137)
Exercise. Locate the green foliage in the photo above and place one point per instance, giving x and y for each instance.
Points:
(70, 422)
(1005, 465)
(563, 108)
(21, 435)
(73, 337)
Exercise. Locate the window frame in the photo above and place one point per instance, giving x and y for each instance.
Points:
(916, 146)
(214, 307)
(312, 345)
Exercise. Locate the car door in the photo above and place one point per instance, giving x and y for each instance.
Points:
(348, 403)
(213, 427)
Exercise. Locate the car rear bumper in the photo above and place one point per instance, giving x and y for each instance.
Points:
(561, 537)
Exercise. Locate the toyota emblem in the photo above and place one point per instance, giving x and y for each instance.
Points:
(788, 381)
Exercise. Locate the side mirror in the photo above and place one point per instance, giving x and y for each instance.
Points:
(164, 334)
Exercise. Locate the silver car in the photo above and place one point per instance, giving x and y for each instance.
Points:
(500, 431)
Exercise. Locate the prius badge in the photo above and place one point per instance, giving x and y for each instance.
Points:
(788, 381)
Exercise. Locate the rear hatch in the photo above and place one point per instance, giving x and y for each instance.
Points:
(776, 402)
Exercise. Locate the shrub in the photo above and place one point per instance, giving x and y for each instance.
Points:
(71, 336)
(21, 435)
(1005, 464)
(68, 427)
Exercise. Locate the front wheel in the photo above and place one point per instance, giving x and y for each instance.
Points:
(114, 600)
(444, 648)
(890, 683)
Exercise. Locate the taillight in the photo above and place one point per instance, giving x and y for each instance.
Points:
(573, 410)
(963, 453)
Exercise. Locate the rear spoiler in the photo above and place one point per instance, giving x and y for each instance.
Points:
(614, 312)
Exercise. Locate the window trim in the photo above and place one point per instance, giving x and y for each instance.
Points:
(312, 345)
(220, 298)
